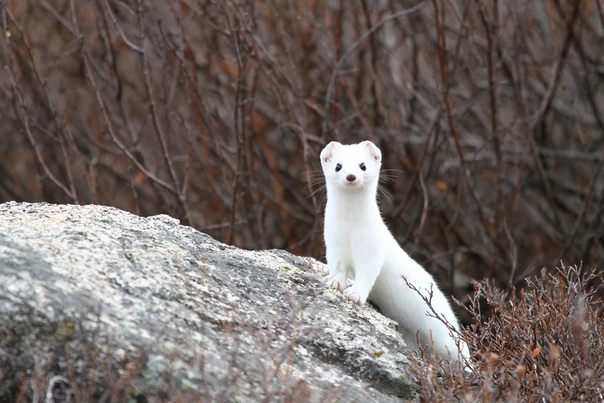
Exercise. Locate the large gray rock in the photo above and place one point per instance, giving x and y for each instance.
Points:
(99, 304)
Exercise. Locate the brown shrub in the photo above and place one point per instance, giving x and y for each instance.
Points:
(543, 343)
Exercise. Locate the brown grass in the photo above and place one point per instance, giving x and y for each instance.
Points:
(542, 343)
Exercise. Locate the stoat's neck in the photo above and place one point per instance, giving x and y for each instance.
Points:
(351, 205)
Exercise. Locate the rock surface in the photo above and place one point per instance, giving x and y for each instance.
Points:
(95, 301)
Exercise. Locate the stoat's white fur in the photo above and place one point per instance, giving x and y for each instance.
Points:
(360, 247)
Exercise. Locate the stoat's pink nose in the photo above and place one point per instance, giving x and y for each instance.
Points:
(351, 178)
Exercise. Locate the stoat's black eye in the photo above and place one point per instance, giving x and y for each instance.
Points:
(338, 167)
(362, 166)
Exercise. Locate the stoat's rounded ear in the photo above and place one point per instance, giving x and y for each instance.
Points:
(328, 151)
(374, 151)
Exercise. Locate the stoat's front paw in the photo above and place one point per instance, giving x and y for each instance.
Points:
(357, 296)
(334, 281)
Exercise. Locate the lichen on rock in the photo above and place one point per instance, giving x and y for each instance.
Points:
(104, 298)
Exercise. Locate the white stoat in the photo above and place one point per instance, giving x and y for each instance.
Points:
(360, 247)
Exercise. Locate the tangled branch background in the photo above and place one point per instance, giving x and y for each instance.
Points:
(490, 116)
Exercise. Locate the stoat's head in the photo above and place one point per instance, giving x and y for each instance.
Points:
(352, 167)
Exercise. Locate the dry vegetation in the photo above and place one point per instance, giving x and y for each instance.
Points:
(490, 116)
(543, 344)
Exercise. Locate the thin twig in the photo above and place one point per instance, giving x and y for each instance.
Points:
(161, 137)
(139, 49)
(351, 50)
(72, 193)
(439, 21)
(104, 112)
(239, 125)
